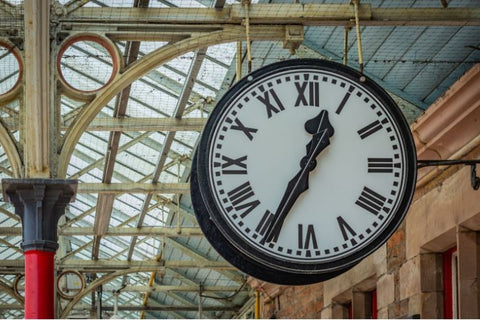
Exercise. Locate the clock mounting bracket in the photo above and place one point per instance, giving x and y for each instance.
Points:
(474, 179)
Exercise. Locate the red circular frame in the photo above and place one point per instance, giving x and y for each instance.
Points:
(105, 43)
(16, 53)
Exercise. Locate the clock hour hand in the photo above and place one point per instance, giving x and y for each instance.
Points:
(322, 130)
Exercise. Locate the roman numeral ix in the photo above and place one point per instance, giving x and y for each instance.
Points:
(239, 167)
(242, 198)
(273, 106)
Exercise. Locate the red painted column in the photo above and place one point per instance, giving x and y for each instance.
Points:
(39, 203)
(39, 284)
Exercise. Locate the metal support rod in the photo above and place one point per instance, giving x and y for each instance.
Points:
(99, 305)
(247, 28)
(345, 45)
(115, 305)
(239, 61)
(359, 38)
(257, 304)
(474, 179)
(200, 291)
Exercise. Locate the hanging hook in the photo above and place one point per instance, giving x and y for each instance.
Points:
(474, 180)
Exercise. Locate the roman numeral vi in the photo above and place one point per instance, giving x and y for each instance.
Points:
(304, 240)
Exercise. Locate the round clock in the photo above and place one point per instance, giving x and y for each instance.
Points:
(304, 168)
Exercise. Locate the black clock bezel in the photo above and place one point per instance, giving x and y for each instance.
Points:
(248, 255)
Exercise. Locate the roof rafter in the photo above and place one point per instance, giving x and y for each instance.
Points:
(307, 14)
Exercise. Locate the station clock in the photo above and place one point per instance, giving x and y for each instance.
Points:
(304, 168)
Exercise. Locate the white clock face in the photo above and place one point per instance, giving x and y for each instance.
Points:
(306, 166)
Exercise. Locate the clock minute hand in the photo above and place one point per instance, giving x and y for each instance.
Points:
(299, 183)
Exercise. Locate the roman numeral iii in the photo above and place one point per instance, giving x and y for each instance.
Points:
(243, 198)
(380, 165)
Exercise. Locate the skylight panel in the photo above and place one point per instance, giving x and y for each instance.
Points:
(75, 165)
(187, 137)
(187, 3)
(156, 217)
(224, 52)
(144, 153)
(96, 143)
(148, 248)
(142, 165)
(123, 206)
(175, 76)
(93, 176)
(149, 46)
(114, 3)
(181, 148)
(129, 172)
(159, 103)
(212, 73)
(204, 91)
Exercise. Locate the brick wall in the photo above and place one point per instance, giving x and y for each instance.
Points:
(299, 302)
